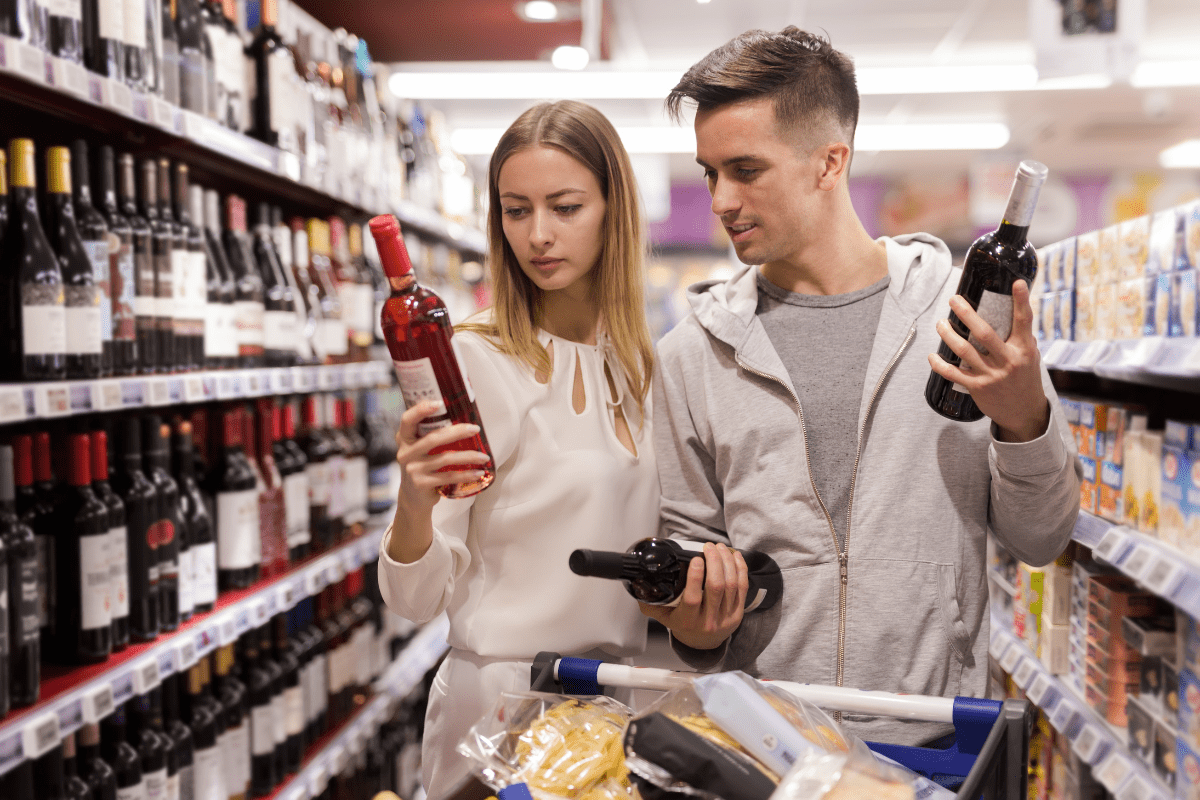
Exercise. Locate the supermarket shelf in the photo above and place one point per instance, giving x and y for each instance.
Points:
(74, 696)
(1001, 583)
(1096, 743)
(418, 657)
(33, 79)
(1154, 564)
(28, 401)
(1153, 361)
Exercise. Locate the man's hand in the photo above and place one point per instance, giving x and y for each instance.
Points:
(711, 607)
(1005, 380)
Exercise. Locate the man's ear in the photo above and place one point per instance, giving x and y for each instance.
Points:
(834, 166)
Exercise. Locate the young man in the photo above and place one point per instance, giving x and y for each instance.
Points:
(790, 414)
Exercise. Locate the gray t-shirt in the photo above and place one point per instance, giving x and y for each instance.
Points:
(825, 343)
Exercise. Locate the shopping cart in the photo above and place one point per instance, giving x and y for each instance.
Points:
(987, 758)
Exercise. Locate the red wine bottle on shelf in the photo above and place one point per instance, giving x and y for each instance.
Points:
(994, 261)
(153, 746)
(334, 343)
(416, 326)
(164, 273)
(137, 62)
(5, 699)
(266, 651)
(655, 571)
(145, 299)
(122, 276)
(222, 289)
(85, 338)
(273, 72)
(74, 787)
(121, 755)
(207, 773)
(169, 64)
(279, 316)
(180, 769)
(118, 541)
(235, 704)
(291, 462)
(179, 259)
(44, 522)
(263, 776)
(25, 580)
(248, 300)
(103, 35)
(93, 232)
(318, 451)
(35, 313)
(100, 776)
(141, 515)
(65, 30)
(233, 483)
(193, 291)
(272, 503)
(287, 656)
(169, 535)
(197, 520)
(330, 424)
(357, 470)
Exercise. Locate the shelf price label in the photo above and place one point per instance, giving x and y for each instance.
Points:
(1024, 673)
(1164, 575)
(229, 386)
(12, 404)
(70, 716)
(1190, 363)
(287, 598)
(207, 638)
(1011, 657)
(1000, 642)
(98, 703)
(1063, 717)
(1090, 745)
(1039, 691)
(304, 379)
(1112, 545)
(318, 780)
(252, 381)
(314, 581)
(123, 687)
(116, 96)
(160, 391)
(146, 676)
(242, 621)
(51, 400)
(261, 613)
(1114, 771)
(1093, 354)
(228, 630)
(106, 396)
(11, 751)
(1138, 788)
(194, 389)
(167, 662)
(279, 381)
(329, 378)
(41, 734)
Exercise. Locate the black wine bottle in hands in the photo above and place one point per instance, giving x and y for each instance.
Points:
(655, 571)
(993, 263)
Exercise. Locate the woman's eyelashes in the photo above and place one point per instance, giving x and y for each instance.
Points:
(517, 212)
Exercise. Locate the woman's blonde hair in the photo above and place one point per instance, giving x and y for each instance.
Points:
(583, 133)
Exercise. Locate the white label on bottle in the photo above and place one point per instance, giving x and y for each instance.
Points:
(263, 730)
(279, 330)
(357, 477)
(118, 570)
(235, 747)
(213, 319)
(318, 483)
(280, 69)
(187, 581)
(248, 320)
(293, 703)
(94, 569)
(134, 20)
(418, 382)
(996, 310)
(204, 557)
(337, 484)
(44, 329)
(278, 719)
(83, 329)
(98, 256)
(145, 306)
(230, 331)
(70, 9)
(332, 333)
(179, 274)
(156, 784)
(296, 508)
(173, 787)
(231, 70)
(112, 20)
(198, 283)
(237, 529)
(209, 774)
(135, 792)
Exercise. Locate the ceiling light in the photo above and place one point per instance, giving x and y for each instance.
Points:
(569, 57)
(1165, 73)
(482, 141)
(539, 11)
(1185, 155)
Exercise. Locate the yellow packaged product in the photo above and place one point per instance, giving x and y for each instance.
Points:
(1087, 259)
(1109, 255)
(1131, 308)
(1134, 249)
(1106, 312)
(1085, 313)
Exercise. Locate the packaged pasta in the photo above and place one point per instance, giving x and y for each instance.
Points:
(560, 747)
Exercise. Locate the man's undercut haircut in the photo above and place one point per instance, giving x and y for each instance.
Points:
(809, 81)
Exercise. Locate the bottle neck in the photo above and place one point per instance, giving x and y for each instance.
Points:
(405, 284)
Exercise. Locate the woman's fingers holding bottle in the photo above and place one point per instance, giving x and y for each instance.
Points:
(724, 587)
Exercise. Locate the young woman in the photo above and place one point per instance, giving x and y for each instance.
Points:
(561, 368)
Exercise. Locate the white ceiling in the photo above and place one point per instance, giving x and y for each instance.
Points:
(1070, 130)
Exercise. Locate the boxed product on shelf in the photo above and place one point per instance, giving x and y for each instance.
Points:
(1134, 247)
(1108, 702)
(1188, 715)
(1141, 730)
(1054, 647)
(1087, 255)
(1184, 305)
(1085, 314)
(1088, 489)
(1064, 315)
(1110, 503)
(1187, 641)
(1163, 227)
(1165, 758)
(1047, 307)
(1066, 264)
(1190, 257)
(1170, 690)
(1131, 308)
(1109, 255)
(1091, 418)
(1179, 514)
(1150, 683)
(1143, 479)
(1187, 772)
(1150, 636)
(1156, 316)
(1106, 312)
(1111, 592)
(1056, 596)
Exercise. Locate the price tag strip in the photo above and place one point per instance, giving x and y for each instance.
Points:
(98, 703)
(41, 735)
(1137, 788)
(1114, 771)
(1165, 575)
(1090, 745)
(1092, 355)
(1024, 673)
(1064, 718)
(12, 404)
(1138, 562)
(1113, 545)
(1009, 662)
(1042, 692)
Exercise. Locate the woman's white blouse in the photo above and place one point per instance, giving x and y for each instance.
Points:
(498, 561)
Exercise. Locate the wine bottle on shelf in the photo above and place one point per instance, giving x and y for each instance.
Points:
(993, 263)
(416, 326)
(103, 38)
(383, 477)
(262, 722)
(100, 776)
(145, 299)
(85, 337)
(180, 263)
(25, 581)
(65, 30)
(93, 232)
(330, 421)
(193, 70)
(266, 650)
(655, 571)
(292, 463)
(332, 331)
(169, 66)
(262, 496)
(153, 746)
(170, 535)
(235, 704)
(74, 787)
(193, 291)
(365, 306)
(287, 656)
(318, 450)
(122, 756)
(122, 276)
(272, 512)
(357, 469)
(274, 73)
(34, 303)
(233, 483)
(221, 288)
(197, 520)
(118, 541)
(44, 522)
(312, 352)
(5, 698)
(355, 296)
(207, 774)
(48, 775)
(3, 190)
(141, 515)
(164, 274)
(279, 317)
(315, 630)
(180, 770)
(134, 42)
(248, 303)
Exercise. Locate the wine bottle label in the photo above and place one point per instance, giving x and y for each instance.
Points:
(68, 9)
(209, 774)
(318, 484)
(379, 492)
(170, 70)
(135, 792)
(118, 573)
(204, 557)
(293, 703)
(30, 602)
(134, 20)
(278, 719)
(237, 529)
(172, 792)
(295, 504)
(229, 331)
(237, 745)
(213, 322)
(262, 724)
(320, 697)
(279, 330)
(156, 784)
(249, 320)
(231, 70)
(112, 20)
(418, 382)
(995, 309)
(191, 80)
(121, 288)
(97, 252)
(337, 486)
(280, 71)
(94, 570)
(43, 321)
(180, 265)
(197, 286)
(187, 782)
(45, 571)
(83, 319)
(187, 577)
(357, 480)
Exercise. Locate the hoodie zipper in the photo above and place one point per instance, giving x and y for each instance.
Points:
(843, 551)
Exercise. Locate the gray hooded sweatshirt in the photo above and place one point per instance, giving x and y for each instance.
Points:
(904, 607)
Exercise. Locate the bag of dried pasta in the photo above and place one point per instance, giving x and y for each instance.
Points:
(560, 747)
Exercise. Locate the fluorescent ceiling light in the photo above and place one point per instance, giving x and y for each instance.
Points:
(937, 80)
(540, 11)
(948, 136)
(1151, 74)
(1185, 155)
(569, 57)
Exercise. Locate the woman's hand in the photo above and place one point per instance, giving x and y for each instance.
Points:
(412, 530)
(712, 604)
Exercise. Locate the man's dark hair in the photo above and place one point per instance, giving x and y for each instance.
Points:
(808, 80)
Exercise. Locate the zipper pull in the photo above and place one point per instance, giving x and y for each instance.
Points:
(843, 558)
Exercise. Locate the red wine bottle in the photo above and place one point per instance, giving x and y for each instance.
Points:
(272, 503)
(222, 353)
(194, 265)
(93, 233)
(318, 450)
(266, 649)
(357, 470)
(164, 273)
(74, 787)
(263, 776)
(233, 483)
(195, 514)
(44, 522)
(288, 657)
(248, 285)
(291, 462)
(122, 276)
(141, 515)
(170, 537)
(330, 429)
(25, 586)
(181, 325)
(235, 704)
(121, 755)
(655, 571)
(994, 261)
(279, 316)
(118, 541)
(103, 35)
(416, 326)
(5, 698)
(145, 292)
(207, 774)
(153, 746)
(180, 768)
